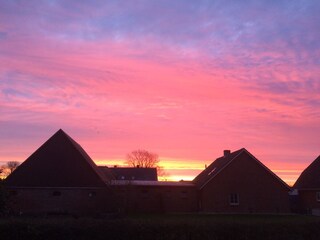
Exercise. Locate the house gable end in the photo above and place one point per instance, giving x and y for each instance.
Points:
(59, 162)
(218, 168)
(309, 178)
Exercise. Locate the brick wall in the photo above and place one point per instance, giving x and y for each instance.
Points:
(157, 199)
(257, 190)
(74, 201)
(308, 201)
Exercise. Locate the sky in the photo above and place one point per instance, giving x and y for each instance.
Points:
(183, 79)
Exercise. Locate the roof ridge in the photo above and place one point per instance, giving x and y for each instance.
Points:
(85, 155)
(58, 153)
(209, 172)
(266, 168)
(306, 178)
(223, 167)
(214, 165)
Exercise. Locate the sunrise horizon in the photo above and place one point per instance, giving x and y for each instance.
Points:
(187, 172)
(184, 79)
(186, 169)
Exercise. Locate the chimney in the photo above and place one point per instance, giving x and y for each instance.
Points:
(226, 153)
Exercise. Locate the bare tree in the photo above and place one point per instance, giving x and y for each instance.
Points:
(162, 174)
(142, 158)
(12, 165)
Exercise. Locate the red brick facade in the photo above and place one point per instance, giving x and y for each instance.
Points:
(307, 187)
(244, 186)
(61, 178)
(165, 198)
(60, 201)
(309, 201)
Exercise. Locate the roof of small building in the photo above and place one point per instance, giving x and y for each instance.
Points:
(131, 173)
(153, 183)
(59, 162)
(310, 177)
(222, 162)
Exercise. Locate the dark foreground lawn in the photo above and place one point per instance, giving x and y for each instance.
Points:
(163, 227)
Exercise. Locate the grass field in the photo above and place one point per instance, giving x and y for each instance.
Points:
(167, 227)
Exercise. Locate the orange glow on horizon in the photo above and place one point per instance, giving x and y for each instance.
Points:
(176, 171)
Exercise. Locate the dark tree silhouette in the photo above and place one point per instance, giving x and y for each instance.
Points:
(12, 165)
(8, 168)
(142, 158)
(146, 159)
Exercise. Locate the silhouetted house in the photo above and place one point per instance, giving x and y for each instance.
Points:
(308, 189)
(240, 183)
(155, 196)
(59, 178)
(131, 173)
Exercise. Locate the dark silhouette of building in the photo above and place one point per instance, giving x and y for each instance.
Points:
(61, 178)
(130, 173)
(307, 188)
(155, 196)
(239, 183)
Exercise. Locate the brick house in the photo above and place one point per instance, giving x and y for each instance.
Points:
(308, 189)
(239, 183)
(138, 190)
(59, 178)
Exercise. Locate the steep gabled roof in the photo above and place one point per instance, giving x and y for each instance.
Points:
(132, 173)
(214, 168)
(59, 162)
(221, 163)
(310, 177)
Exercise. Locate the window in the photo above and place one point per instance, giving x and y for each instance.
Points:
(234, 199)
(56, 193)
(92, 194)
(318, 196)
